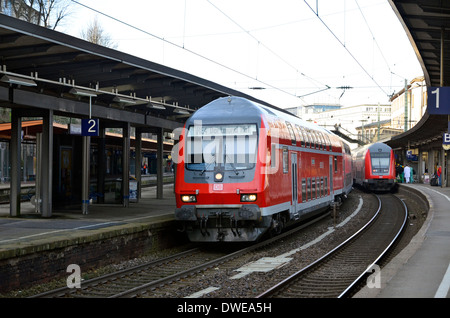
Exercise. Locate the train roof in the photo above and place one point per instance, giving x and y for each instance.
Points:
(373, 147)
(227, 109)
(233, 109)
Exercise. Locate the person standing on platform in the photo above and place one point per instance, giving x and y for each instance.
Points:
(439, 172)
(407, 173)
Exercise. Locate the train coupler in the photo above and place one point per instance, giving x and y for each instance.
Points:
(203, 227)
(234, 227)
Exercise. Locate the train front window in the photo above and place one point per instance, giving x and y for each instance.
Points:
(380, 162)
(230, 147)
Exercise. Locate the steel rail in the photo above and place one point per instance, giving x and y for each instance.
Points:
(281, 285)
(145, 287)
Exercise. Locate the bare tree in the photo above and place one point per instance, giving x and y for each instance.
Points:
(94, 33)
(47, 13)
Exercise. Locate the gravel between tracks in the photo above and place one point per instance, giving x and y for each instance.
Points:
(255, 283)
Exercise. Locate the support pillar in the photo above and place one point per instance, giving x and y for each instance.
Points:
(443, 171)
(138, 161)
(15, 155)
(47, 163)
(159, 164)
(85, 174)
(126, 165)
(37, 183)
(420, 171)
(101, 164)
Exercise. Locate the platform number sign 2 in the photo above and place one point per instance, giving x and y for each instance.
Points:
(89, 127)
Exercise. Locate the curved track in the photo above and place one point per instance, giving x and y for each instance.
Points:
(334, 274)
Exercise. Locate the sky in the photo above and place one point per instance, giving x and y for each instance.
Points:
(288, 53)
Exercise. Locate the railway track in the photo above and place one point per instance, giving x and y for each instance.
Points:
(140, 279)
(337, 272)
(175, 275)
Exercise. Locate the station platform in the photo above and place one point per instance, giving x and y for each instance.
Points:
(30, 232)
(422, 269)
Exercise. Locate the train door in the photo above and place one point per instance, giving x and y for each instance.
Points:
(331, 175)
(294, 180)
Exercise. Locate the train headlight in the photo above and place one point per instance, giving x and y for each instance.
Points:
(218, 176)
(248, 197)
(188, 198)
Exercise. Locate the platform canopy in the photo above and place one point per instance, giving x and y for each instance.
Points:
(52, 64)
(427, 24)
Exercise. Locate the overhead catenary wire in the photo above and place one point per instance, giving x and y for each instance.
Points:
(316, 13)
(260, 43)
(373, 37)
(182, 47)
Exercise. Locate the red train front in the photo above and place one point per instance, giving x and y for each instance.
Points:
(244, 168)
(374, 167)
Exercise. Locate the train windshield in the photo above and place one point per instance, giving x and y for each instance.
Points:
(233, 147)
(380, 162)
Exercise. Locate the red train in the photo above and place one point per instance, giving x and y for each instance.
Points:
(244, 168)
(374, 167)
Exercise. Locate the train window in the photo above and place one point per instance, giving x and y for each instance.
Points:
(335, 164)
(303, 190)
(322, 141)
(322, 187)
(328, 142)
(285, 160)
(273, 156)
(308, 137)
(291, 133)
(300, 134)
(318, 187)
(380, 162)
(317, 139)
(326, 185)
(313, 188)
(233, 146)
(308, 189)
(312, 139)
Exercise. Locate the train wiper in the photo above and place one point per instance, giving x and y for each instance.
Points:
(232, 165)
(208, 164)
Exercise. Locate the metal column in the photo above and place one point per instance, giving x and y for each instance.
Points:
(47, 163)
(159, 164)
(138, 160)
(37, 195)
(126, 164)
(85, 177)
(15, 154)
(101, 165)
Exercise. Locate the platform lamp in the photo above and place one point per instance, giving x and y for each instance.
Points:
(86, 93)
(18, 80)
(86, 152)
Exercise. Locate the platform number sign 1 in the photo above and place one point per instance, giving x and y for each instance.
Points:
(89, 127)
(438, 100)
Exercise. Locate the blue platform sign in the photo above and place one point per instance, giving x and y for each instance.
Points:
(89, 127)
(446, 139)
(438, 100)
